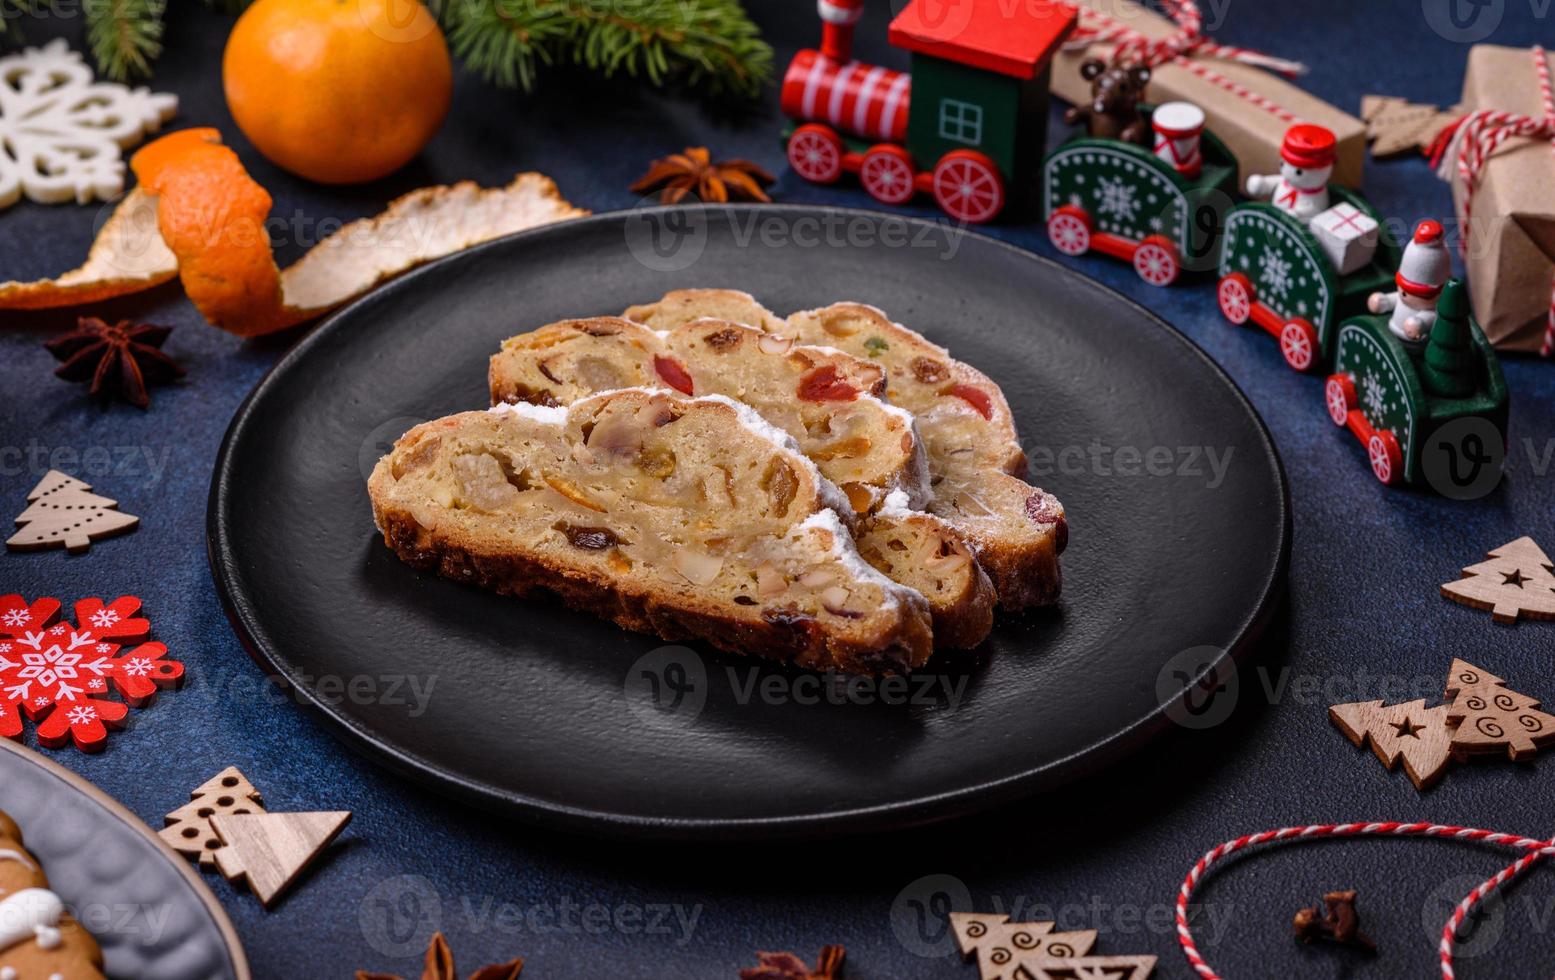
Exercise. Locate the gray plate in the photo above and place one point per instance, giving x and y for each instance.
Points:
(103, 862)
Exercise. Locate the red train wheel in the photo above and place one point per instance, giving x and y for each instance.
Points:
(1235, 296)
(815, 153)
(1069, 229)
(1386, 460)
(967, 186)
(1156, 261)
(1339, 393)
(1298, 344)
(887, 174)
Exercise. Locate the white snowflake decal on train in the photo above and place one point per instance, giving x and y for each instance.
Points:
(1118, 200)
(1374, 395)
(1274, 272)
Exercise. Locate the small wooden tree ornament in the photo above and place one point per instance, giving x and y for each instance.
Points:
(189, 830)
(1489, 716)
(1418, 735)
(1087, 968)
(1008, 950)
(1516, 579)
(270, 850)
(62, 510)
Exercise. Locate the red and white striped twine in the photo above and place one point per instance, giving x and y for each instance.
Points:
(1180, 48)
(1465, 147)
(1536, 849)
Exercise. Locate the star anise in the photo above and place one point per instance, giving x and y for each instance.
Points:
(440, 966)
(680, 174)
(120, 357)
(787, 966)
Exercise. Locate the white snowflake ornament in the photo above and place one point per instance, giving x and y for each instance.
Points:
(61, 133)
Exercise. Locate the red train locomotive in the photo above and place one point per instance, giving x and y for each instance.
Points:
(966, 126)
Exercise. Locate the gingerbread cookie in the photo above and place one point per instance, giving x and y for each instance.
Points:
(39, 940)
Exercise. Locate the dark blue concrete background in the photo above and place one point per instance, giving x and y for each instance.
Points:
(1108, 853)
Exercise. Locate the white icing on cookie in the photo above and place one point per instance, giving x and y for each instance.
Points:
(32, 913)
(9, 855)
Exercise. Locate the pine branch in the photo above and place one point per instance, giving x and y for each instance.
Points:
(11, 14)
(711, 44)
(125, 36)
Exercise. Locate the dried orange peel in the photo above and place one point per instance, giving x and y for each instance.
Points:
(212, 215)
(127, 256)
(210, 231)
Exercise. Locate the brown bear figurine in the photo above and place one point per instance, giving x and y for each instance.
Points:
(1114, 109)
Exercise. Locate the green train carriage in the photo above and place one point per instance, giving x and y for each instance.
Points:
(1123, 200)
(1274, 273)
(1401, 401)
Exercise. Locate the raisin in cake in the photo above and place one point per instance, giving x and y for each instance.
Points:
(975, 459)
(691, 518)
(825, 399)
(38, 939)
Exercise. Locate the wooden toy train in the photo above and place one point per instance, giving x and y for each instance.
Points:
(1313, 266)
(968, 125)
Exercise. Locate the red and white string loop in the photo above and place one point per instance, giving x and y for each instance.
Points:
(1465, 147)
(1536, 850)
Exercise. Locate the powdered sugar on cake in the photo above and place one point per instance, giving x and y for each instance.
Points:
(845, 553)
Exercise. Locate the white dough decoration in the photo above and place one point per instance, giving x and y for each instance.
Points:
(32, 913)
(62, 133)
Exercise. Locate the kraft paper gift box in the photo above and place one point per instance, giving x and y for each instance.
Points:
(1252, 132)
(1510, 254)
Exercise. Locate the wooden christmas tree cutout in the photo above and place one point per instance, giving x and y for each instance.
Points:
(189, 830)
(270, 850)
(1418, 735)
(1088, 968)
(1008, 950)
(1488, 716)
(1397, 125)
(62, 510)
(1515, 579)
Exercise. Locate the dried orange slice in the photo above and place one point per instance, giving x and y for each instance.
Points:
(198, 214)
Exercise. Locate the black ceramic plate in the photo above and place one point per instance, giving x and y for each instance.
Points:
(575, 722)
(98, 856)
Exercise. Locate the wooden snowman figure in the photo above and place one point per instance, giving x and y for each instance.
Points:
(1300, 189)
(1421, 275)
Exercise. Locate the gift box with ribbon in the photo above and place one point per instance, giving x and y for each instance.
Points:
(1245, 102)
(1500, 158)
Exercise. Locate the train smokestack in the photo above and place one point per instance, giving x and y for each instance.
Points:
(837, 20)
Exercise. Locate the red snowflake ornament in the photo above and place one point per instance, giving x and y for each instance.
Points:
(58, 674)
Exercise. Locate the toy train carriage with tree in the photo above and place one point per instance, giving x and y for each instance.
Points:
(968, 125)
(1159, 210)
(1398, 398)
(1297, 266)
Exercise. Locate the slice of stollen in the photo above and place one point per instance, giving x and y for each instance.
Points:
(825, 399)
(975, 459)
(691, 518)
